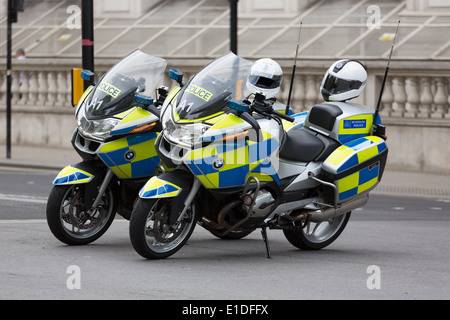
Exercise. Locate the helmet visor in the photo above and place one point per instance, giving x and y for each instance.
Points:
(335, 85)
(265, 82)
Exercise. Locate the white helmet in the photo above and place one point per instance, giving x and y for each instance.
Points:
(265, 77)
(344, 80)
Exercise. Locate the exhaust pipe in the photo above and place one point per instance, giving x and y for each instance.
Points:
(330, 213)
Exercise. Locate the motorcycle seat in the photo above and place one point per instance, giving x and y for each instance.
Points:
(305, 145)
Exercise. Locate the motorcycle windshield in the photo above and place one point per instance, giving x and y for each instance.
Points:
(209, 91)
(137, 73)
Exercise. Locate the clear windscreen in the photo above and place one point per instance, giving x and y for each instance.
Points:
(209, 91)
(137, 73)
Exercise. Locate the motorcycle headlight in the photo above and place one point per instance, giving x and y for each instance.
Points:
(185, 135)
(96, 129)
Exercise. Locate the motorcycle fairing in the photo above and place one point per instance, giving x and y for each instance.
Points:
(158, 188)
(132, 156)
(229, 164)
(356, 167)
(72, 175)
(132, 119)
(226, 125)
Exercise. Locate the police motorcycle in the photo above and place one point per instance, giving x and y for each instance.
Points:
(117, 125)
(239, 164)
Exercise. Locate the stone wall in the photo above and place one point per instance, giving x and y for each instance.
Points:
(415, 104)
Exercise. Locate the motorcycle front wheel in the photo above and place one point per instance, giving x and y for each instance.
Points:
(315, 236)
(70, 222)
(151, 233)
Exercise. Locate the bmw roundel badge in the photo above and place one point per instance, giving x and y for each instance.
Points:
(218, 163)
(130, 155)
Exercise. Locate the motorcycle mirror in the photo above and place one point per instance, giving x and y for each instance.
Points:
(143, 100)
(176, 75)
(241, 107)
(87, 75)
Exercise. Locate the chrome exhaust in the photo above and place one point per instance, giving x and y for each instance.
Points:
(332, 212)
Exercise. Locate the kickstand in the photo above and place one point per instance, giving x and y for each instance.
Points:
(266, 241)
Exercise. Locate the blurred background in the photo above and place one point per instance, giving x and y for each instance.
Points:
(189, 34)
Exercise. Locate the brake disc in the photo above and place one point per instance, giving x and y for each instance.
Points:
(162, 230)
(78, 216)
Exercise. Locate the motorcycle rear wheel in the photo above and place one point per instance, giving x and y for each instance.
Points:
(316, 236)
(70, 222)
(151, 234)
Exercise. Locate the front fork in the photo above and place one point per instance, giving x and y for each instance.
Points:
(108, 177)
(190, 197)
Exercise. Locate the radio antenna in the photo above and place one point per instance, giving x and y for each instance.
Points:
(293, 71)
(377, 110)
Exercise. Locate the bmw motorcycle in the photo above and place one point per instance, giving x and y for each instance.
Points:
(117, 125)
(238, 164)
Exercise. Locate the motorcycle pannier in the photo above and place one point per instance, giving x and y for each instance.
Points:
(356, 167)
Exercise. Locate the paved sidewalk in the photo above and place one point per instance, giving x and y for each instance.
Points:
(413, 184)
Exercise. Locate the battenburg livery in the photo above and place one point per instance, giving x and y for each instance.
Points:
(238, 164)
(118, 124)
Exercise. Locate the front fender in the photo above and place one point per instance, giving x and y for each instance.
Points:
(174, 184)
(72, 175)
(158, 188)
(89, 173)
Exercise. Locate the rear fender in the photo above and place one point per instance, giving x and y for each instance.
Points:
(174, 184)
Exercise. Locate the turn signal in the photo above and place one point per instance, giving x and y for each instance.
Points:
(235, 136)
(144, 128)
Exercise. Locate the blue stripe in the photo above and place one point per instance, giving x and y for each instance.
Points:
(123, 131)
(345, 138)
(117, 157)
(381, 147)
(353, 161)
(170, 188)
(144, 167)
(204, 165)
(106, 159)
(233, 177)
(140, 138)
(193, 168)
(358, 143)
(147, 194)
(347, 194)
(367, 174)
(60, 180)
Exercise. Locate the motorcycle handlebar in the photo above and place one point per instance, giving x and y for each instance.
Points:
(283, 116)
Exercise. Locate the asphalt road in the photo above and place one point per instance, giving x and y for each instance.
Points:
(394, 248)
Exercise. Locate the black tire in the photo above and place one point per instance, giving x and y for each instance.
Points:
(150, 234)
(232, 235)
(69, 223)
(322, 236)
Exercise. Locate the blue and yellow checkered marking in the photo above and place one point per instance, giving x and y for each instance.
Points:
(242, 158)
(145, 158)
(72, 175)
(350, 155)
(355, 152)
(358, 182)
(158, 188)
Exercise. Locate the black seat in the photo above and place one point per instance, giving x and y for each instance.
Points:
(304, 145)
